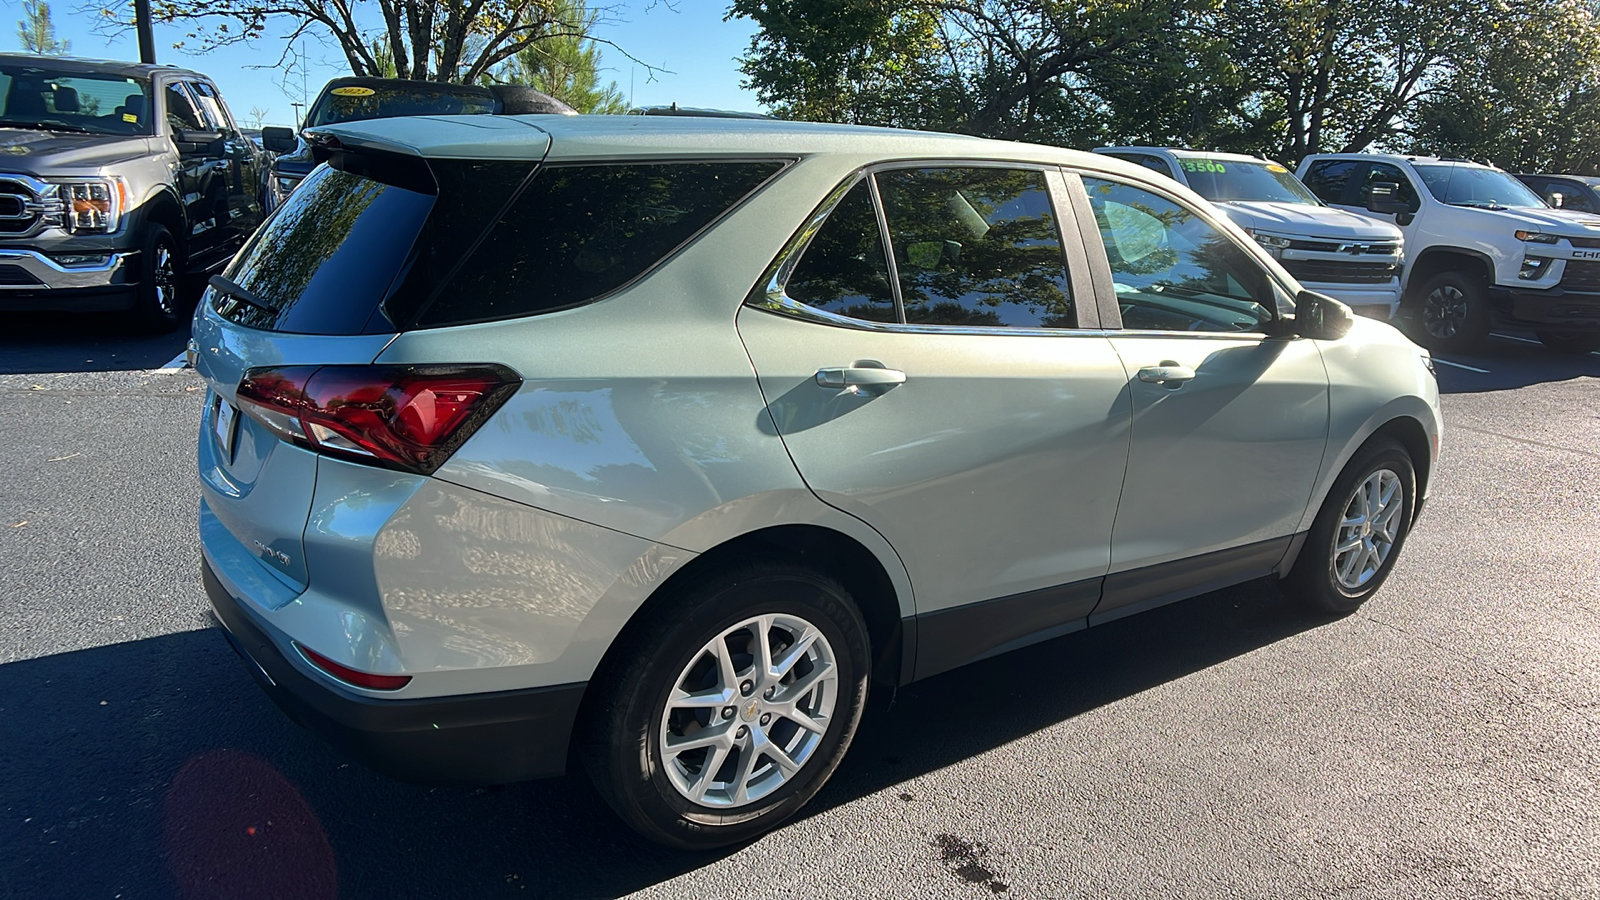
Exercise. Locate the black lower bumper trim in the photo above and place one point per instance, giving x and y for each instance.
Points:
(471, 739)
(1554, 309)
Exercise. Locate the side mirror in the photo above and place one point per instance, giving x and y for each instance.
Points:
(1383, 199)
(279, 139)
(1556, 199)
(199, 143)
(1320, 317)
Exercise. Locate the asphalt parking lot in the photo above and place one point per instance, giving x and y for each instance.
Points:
(1442, 742)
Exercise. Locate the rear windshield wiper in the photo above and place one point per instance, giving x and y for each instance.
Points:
(240, 293)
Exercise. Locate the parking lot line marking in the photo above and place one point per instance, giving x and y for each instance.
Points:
(1461, 365)
(1512, 337)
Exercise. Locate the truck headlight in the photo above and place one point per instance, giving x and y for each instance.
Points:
(92, 206)
(1535, 237)
(1271, 241)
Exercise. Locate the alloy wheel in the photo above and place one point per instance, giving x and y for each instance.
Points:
(1368, 529)
(1444, 312)
(165, 277)
(749, 711)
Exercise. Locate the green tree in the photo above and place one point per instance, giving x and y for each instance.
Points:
(1529, 102)
(426, 40)
(566, 65)
(37, 33)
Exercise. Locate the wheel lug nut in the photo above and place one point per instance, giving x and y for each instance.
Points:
(743, 730)
(769, 692)
(766, 718)
(747, 687)
(727, 712)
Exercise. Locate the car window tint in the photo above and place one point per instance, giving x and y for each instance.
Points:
(1172, 270)
(181, 113)
(1384, 173)
(1573, 195)
(577, 233)
(1153, 163)
(844, 270)
(976, 246)
(1327, 178)
(211, 106)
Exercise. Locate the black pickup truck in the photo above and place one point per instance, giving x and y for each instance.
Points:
(119, 184)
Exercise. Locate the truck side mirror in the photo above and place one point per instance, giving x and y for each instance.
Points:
(279, 139)
(1384, 199)
(199, 143)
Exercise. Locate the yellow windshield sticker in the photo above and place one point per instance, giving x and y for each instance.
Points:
(352, 91)
(130, 117)
(1279, 169)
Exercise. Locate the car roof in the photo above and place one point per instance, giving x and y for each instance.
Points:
(1402, 157)
(1185, 153)
(624, 137)
(93, 66)
(1586, 179)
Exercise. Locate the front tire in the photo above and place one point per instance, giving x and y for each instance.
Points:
(729, 707)
(1359, 531)
(1453, 312)
(1565, 342)
(159, 307)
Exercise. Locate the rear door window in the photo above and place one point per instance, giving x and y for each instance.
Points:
(977, 246)
(844, 270)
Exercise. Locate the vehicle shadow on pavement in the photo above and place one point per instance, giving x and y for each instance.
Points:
(157, 768)
(92, 342)
(960, 714)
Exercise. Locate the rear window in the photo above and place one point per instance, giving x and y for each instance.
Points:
(413, 245)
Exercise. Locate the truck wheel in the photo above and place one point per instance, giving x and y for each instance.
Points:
(1568, 342)
(1454, 312)
(159, 307)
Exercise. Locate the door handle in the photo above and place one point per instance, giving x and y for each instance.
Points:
(1168, 372)
(853, 378)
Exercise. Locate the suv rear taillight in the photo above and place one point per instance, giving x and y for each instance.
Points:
(402, 417)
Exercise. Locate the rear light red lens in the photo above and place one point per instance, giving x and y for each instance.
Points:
(403, 417)
(353, 676)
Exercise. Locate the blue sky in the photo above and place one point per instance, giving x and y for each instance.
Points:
(687, 39)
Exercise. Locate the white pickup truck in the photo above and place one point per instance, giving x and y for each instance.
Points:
(1482, 249)
(1348, 257)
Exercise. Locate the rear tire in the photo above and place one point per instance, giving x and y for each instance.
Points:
(159, 305)
(1359, 531)
(1565, 342)
(650, 700)
(1453, 312)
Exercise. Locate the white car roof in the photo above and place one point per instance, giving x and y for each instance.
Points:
(621, 137)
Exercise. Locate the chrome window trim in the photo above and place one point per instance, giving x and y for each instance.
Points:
(768, 295)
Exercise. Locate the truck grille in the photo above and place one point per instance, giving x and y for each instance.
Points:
(1324, 271)
(1582, 275)
(15, 217)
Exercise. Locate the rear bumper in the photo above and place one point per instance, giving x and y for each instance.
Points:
(470, 739)
(1556, 308)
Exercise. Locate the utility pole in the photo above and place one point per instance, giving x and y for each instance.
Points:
(147, 38)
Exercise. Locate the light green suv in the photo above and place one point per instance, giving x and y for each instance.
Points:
(652, 446)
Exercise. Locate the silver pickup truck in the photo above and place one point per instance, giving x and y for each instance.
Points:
(119, 182)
